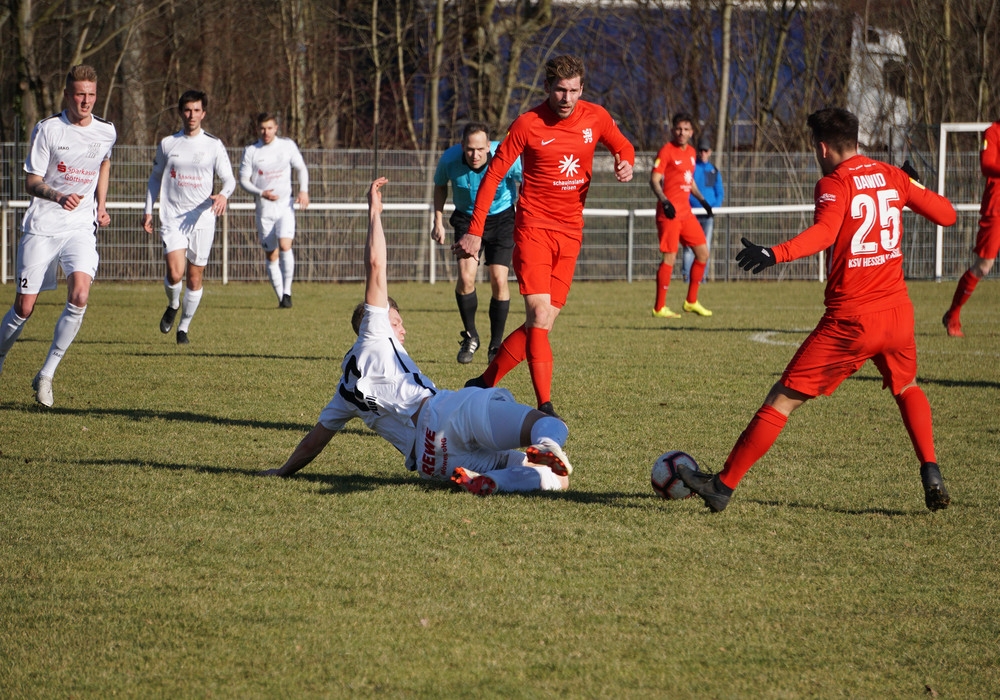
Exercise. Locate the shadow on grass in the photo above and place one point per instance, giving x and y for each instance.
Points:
(846, 511)
(238, 356)
(963, 383)
(181, 416)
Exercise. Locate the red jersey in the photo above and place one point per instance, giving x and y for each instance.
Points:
(859, 220)
(676, 164)
(557, 157)
(989, 163)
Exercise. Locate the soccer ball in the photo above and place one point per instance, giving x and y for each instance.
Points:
(664, 478)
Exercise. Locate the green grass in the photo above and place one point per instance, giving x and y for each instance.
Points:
(141, 557)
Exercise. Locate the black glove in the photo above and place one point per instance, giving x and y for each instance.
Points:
(910, 170)
(755, 258)
(668, 210)
(707, 207)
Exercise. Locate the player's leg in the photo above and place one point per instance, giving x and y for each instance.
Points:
(498, 241)
(197, 254)
(987, 248)
(174, 248)
(274, 272)
(668, 231)
(286, 256)
(468, 305)
(267, 236)
(693, 236)
(37, 265)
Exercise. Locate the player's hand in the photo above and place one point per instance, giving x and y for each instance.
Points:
(755, 258)
(467, 246)
(623, 169)
(375, 195)
(69, 202)
(910, 170)
(219, 202)
(668, 209)
(302, 200)
(269, 195)
(707, 207)
(437, 233)
(103, 217)
(147, 223)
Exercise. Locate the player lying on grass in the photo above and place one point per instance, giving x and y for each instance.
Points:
(868, 316)
(468, 436)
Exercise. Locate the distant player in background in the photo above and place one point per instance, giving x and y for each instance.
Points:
(672, 181)
(869, 315)
(988, 239)
(266, 173)
(183, 179)
(464, 165)
(556, 141)
(68, 169)
(468, 436)
(708, 180)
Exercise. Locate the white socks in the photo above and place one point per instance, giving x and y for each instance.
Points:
(10, 329)
(67, 327)
(274, 274)
(173, 292)
(286, 259)
(191, 300)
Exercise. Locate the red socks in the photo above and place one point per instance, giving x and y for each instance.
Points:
(966, 285)
(539, 354)
(663, 273)
(512, 353)
(753, 444)
(916, 412)
(697, 275)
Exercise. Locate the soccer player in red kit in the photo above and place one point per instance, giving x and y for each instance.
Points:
(869, 316)
(556, 142)
(672, 181)
(988, 239)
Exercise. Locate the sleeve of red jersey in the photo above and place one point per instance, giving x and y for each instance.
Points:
(989, 157)
(614, 140)
(831, 208)
(507, 152)
(930, 205)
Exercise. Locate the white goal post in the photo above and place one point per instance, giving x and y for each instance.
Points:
(954, 127)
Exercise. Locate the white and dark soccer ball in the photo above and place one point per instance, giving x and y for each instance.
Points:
(664, 477)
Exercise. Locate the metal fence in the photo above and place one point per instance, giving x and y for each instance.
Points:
(768, 199)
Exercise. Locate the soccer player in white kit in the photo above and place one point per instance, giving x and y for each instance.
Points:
(266, 173)
(183, 178)
(468, 436)
(67, 170)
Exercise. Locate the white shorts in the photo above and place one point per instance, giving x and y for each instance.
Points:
(272, 228)
(454, 430)
(39, 257)
(197, 242)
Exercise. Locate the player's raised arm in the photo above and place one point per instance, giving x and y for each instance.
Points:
(376, 285)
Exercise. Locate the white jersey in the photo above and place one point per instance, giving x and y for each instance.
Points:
(269, 167)
(183, 178)
(381, 385)
(68, 158)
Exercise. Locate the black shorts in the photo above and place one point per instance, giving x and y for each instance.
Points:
(498, 235)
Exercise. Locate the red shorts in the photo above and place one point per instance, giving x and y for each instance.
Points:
(988, 239)
(684, 230)
(544, 262)
(838, 347)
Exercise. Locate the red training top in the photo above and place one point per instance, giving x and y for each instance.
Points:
(859, 219)
(676, 164)
(557, 158)
(989, 163)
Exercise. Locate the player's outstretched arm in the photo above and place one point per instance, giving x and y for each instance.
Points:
(376, 284)
(930, 205)
(307, 450)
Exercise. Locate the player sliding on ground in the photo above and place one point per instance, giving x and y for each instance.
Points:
(869, 315)
(468, 436)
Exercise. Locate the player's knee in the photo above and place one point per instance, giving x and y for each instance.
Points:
(982, 267)
(24, 305)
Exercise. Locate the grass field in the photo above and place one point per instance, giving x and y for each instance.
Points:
(142, 557)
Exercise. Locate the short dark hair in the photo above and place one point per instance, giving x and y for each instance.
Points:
(682, 117)
(835, 127)
(563, 68)
(475, 128)
(80, 74)
(359, 313)
(267, 117)
(190, 96)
